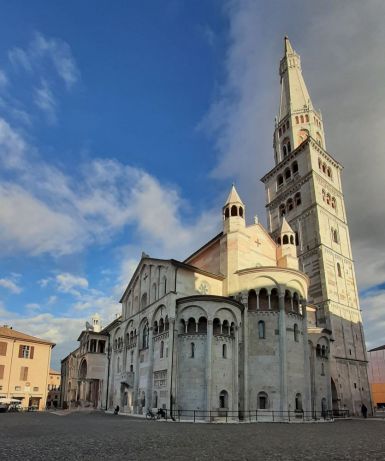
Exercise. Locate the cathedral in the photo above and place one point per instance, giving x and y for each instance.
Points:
(256, 319)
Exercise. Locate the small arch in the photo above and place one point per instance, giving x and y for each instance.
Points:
(287, 301)
(287, 173)
(279, 180)
(145, 333)
(285, 239)
(192, 350)
(234, 210)
(232, 329)
(223, 399)
(161, 349)
(263, 299)
(298, 402)
(284, 151)
(155, 328)
(202, 325)
(296, 239)
(294, 167)
(290, 205)
(161, 325)
(302, 119)
(318, 350)
(274, 299)
(296, 119)
(297, 199)
(328, 199)
(323, 351)
(225, 327)
(216, 326)
(307, 118)
(296, 333)
(166, 324)
(227, 212)
(335, 235)
(324, 168)
(334, 203)
(241, 212)
(191, 326)
(329, 172)
(224, 351)
(279, 240)
(339, 272)
(291, 239)
(252, 300)
(261, 330)
(320, 164)
(282, 209)
(262, 401)
(296, 302)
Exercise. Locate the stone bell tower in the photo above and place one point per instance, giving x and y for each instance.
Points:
(304, 188)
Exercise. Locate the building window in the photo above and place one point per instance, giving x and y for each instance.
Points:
(298, 402)
(145, 337)
(296, 333)
(3, 348)
(26, 352)
(262, 401)
(297, 199)
(223, 399)
(35, 389)
(192, 350)
(339, 272)
(224, 351)
(161, 349)
(261, 330)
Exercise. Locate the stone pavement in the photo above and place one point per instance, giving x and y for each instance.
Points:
(99, 436)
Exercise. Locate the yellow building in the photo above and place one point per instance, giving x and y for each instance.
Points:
(24, 367)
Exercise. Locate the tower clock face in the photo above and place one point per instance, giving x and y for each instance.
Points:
(203, 288)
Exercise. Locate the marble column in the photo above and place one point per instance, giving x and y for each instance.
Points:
(209, 363)
(282, 354)
(150, 378)
(306, 365)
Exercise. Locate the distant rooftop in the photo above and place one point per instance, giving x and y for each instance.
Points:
(380, 348)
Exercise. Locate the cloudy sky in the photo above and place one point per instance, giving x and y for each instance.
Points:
(125, 123)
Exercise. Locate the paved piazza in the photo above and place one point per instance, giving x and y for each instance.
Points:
(92, 436)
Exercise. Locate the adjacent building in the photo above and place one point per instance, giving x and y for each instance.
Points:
(24, 367)
(53, 396)
(84, 372)
(377, 375)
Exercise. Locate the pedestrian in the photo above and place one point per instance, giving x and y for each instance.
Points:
(364, 410)
(116, 411)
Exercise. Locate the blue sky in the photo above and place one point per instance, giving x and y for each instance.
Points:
(124, 123)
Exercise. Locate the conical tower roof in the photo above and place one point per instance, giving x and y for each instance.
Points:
(285, 227)
(294, 93)
(233, 197)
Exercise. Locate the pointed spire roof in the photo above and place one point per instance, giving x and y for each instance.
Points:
(294, 93)
(285, 227)
(233, 196)
(288, 47)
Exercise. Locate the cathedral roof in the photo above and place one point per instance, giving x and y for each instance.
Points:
(233, 196)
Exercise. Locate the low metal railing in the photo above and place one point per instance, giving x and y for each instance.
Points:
(223, 415)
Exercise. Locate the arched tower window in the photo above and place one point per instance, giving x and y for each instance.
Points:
(234, 211)
(285, 239)
(252, 300)
(261, 330)
(291, 239)
(287, 173)
(274, 299)
(241, 212)
(227, 212)
(263, 299)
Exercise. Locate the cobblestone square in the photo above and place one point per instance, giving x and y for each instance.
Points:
(99, 436)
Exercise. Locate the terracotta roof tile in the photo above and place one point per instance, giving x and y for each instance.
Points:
(14, 334)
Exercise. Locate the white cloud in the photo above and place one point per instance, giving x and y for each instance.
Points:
(53, 50)
(44, 99)
(69, 283)
(10, 285)
(12, 147)
(33, 306)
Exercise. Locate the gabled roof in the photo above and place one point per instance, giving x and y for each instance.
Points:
(10, 333)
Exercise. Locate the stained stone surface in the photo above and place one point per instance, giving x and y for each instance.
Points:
(99, 436)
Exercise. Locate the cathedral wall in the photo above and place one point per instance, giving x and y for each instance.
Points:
(208, 259)
(223, 372)
(191, 385)
(193, 283)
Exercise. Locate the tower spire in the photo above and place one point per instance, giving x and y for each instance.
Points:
(297, 118)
